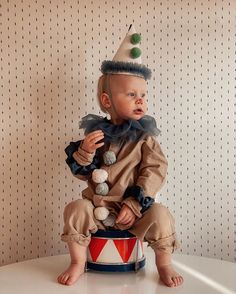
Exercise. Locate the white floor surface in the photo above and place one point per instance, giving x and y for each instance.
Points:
(38, 276)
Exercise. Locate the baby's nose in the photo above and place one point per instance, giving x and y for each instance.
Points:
(139, 101)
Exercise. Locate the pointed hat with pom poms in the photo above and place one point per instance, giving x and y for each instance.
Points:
(127, 59)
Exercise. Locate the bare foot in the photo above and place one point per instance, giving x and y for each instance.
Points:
(72, 274)
(165, 269)
(169, 276)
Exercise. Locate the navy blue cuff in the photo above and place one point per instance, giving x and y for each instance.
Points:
(76, 168)
(138, 194)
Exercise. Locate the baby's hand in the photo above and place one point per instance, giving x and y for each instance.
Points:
(126, 217)
(90, 141)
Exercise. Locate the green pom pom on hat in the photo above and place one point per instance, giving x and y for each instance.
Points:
(135, 52)
(135, 38)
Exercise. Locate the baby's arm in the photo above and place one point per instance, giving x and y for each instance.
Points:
(81, 155)
(86, 151)
(126, 216)
(151, 177)
(90, 143)
(153, 168)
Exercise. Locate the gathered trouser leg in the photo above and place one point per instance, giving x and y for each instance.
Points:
(156, 226)
(80, 222)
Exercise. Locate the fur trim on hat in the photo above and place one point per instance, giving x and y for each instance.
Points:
(131, 68)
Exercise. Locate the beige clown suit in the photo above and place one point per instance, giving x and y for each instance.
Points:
(133, 178)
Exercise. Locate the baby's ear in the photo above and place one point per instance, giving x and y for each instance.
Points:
(105, 100)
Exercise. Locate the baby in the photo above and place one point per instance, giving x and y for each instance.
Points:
(135, 175)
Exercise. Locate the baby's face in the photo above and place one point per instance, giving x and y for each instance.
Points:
(128, 98)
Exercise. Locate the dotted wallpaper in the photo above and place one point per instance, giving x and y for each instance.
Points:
(50, 55)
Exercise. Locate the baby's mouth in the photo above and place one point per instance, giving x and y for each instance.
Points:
(138, 111)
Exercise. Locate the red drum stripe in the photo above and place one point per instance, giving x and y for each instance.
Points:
(125, 248)
(95, 247)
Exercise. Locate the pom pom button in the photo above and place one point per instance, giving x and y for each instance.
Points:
(102, 189)
(135, 38)
(99, 176)
(109, 157)
(135, 52)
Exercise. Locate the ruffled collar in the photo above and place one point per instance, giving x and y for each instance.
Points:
(130, 130)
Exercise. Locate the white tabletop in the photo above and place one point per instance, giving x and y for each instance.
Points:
(38, 276)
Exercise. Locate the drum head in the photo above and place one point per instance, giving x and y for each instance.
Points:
(113, 234)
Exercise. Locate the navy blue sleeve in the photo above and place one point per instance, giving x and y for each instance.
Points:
(138, 194)
(76, 168)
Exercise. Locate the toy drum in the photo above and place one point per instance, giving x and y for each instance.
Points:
(115, 251)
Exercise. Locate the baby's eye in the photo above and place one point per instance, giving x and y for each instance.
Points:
(131, 94)
(143, 95)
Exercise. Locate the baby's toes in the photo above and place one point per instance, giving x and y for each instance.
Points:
(64, 279)
(169, 282)
(59, 278)
(175, 281)
(71, 280)
(178, 280)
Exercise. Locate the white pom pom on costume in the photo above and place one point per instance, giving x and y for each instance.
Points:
(99, 176)
(102, 189)
(109, 221)
(101, 213)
